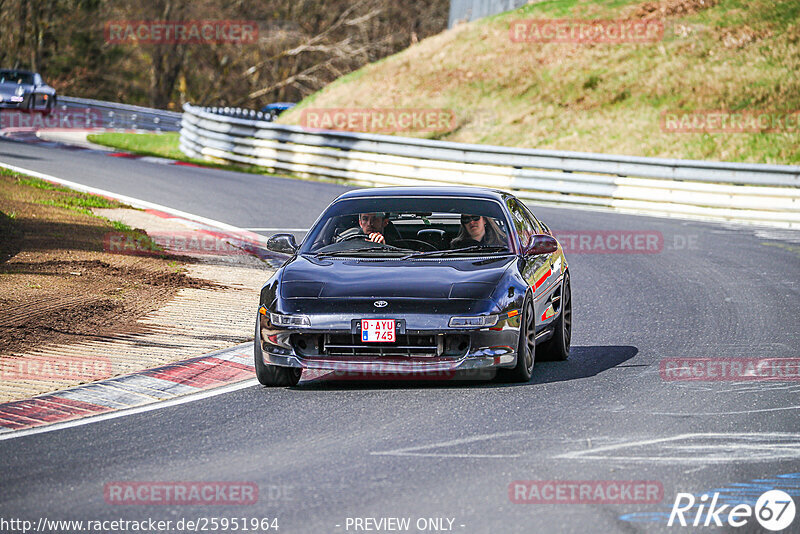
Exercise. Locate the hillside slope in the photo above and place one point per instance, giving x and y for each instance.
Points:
(737, 55)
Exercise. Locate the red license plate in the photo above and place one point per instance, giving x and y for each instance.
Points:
(378, 330)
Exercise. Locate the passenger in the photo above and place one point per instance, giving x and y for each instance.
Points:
(478, 231)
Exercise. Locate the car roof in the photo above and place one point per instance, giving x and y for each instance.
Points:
(427, 191)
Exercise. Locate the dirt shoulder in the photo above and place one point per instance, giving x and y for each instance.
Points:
(71, 291)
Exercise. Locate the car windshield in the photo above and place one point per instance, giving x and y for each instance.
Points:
(410, 226)
(12, 76)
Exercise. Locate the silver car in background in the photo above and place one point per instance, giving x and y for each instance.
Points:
(24, 90)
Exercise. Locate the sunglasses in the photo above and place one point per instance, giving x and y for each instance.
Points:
(470, 218)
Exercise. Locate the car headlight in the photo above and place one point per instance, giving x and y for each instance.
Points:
(279, 319)
(478, 321)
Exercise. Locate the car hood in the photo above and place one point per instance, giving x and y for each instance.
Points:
(337, 278)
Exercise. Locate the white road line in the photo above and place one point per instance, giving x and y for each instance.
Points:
(135, 202)
(191, 397)
(696, 469)
(731, 447)
(409, 451)
(762, 410)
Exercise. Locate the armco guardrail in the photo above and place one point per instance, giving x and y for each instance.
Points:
(125, 116)
(741, 192)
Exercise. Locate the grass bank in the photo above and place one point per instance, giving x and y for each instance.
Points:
(734, 55)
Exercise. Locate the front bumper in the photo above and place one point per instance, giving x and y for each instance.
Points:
(488, 357)
(487, 349)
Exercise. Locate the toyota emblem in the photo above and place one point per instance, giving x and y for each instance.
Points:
(381, 303)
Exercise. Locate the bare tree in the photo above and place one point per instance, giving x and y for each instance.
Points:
(302, 46)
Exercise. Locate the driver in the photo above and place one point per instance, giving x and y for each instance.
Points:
(375, 227)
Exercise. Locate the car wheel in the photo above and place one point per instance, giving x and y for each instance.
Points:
(526, 348)
(557, 347)
(273, 375)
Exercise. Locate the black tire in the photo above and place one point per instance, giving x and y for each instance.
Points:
(557, 347)
(526, 347)
(273, 375)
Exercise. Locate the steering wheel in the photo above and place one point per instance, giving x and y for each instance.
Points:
(426, 246)
(351, 237)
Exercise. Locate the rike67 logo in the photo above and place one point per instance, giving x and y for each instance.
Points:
(774, 510)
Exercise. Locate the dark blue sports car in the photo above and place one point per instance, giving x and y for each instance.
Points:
(420, 280)
(25, 91)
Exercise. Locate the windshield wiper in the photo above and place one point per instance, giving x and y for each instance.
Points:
(356, 250)
(472, 248)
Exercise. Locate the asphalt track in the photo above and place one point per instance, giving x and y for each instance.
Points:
(321, 453)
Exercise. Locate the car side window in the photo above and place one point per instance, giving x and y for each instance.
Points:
(536, 223)
(525, 228)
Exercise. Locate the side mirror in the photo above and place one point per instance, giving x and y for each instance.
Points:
(541, 244)
(282, 243)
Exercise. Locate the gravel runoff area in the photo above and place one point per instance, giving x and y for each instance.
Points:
(81, 301)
